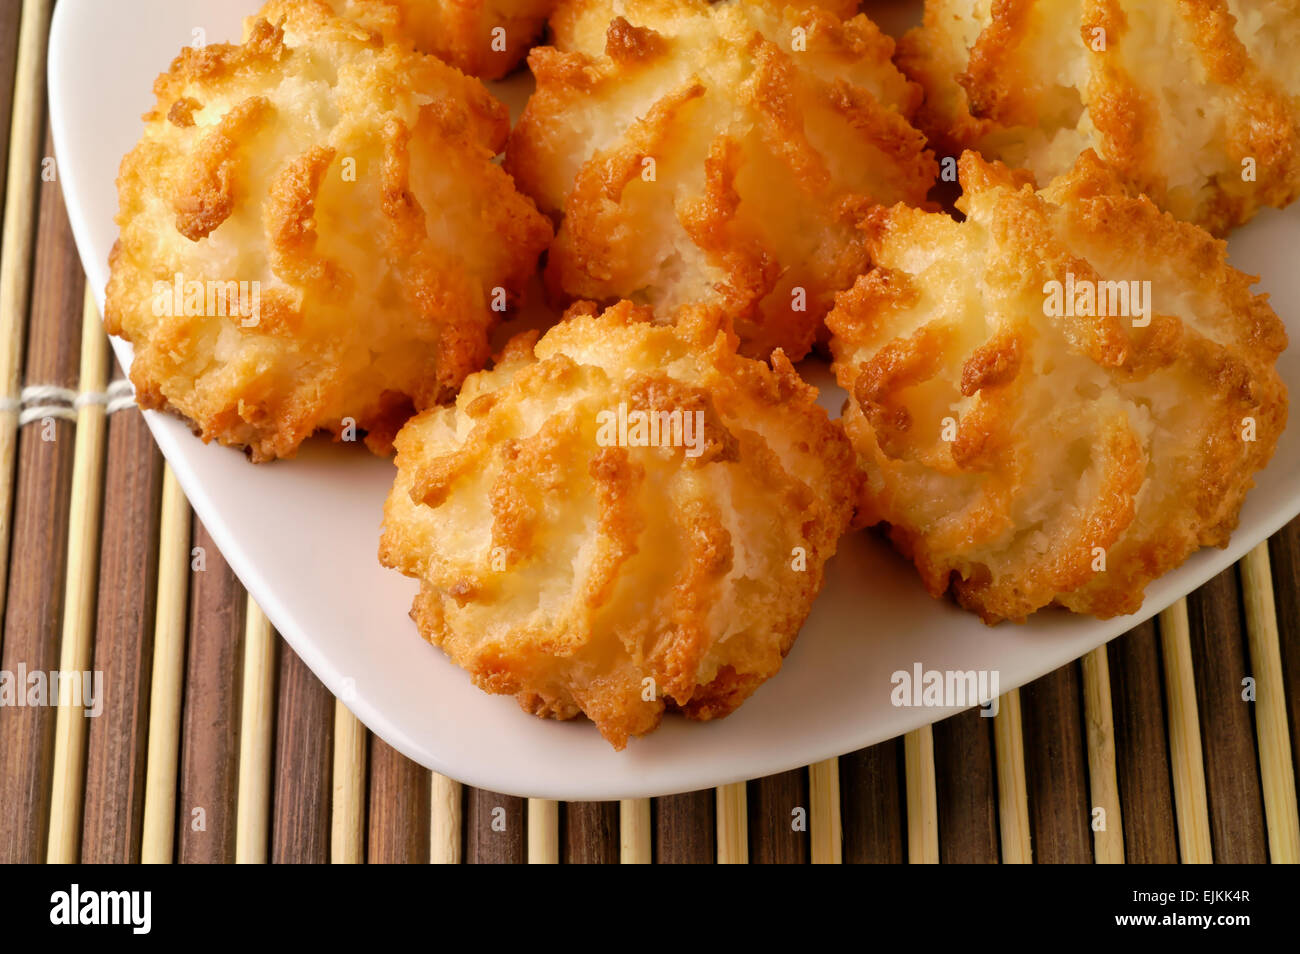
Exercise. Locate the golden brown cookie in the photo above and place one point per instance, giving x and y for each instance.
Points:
(1059, 399)
(314, 235)
(724, 153)
(484, 38)
(621, 517)
(1195, 103)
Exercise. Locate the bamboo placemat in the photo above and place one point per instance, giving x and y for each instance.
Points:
(216, 744)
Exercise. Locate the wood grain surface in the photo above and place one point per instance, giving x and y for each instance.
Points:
(128, 576)
(1284, 551)
(205, 804)
(590, 833)
(685, 829)
(38, 556)
(1142, 748)
(398, 807)
(494, 828)
(967, 789)
(871, 804)
(304, 742)
(773, 803)
(10, 14)
(1056, 767)
(1221, 661)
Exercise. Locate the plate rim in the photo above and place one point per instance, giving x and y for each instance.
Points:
(487, 773)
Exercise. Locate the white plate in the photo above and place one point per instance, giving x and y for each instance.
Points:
(302, 535)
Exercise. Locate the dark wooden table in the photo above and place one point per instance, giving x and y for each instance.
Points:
(1153, 728)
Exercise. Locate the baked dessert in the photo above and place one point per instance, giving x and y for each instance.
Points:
(1196, 103)
(1058, 399)
(314, 235)
(620, 518)
(723, 153)
(484, 38)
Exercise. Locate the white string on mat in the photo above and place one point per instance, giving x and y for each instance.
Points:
(41, 411)
(37, 401)
(48, 392)
(120, 396)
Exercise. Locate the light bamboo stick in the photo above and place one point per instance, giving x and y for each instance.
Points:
(348, 806)
(1275, 768)
(1013, 792)
(922, 797)
(733, 825)
(77, 647)
(824, 812)
(168, 674)
(1108, 843)
(256, 732)
(445, 821)
(634, 831)
(543, 832)
(17, 237)
(1191, 807)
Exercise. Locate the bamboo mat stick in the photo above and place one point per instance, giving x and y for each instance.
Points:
(208, 795)
(256, 725)
(966, 783)
(1185, 737)
(445, 820)
(79, 594)
(17, 238)
(1284, 556)
(11, 13)
(126, 603)
(543, 831)
(922, 797)
(776, 810)
(496, 828)
(824, 812)
(168, 675)
(590, 833)
(871, 806)
(1056, 763)
(685, 828)
(1275, 766)
(1229, 744)
(304, 748)
(38, 534)
(1107, 843)
(1142, 747)
(733, 825)
(348, 807)
(634, 831)
(1013, 792)
(397, 808)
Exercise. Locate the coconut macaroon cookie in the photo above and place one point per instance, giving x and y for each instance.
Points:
(484, 38)
(1058, 399)
(722, 152)
(620, 518)
(1195, 103)
(314, 235)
